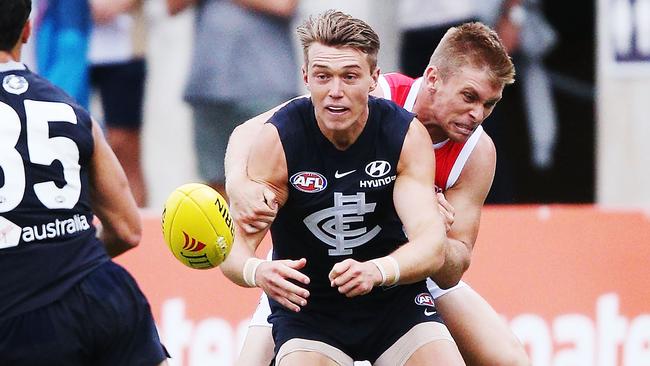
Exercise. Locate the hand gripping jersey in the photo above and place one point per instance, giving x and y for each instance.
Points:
(450, 156)
(47, 239)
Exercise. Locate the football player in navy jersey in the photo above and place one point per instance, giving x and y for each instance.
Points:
(351, 173)
(63, 301)
(452, 94)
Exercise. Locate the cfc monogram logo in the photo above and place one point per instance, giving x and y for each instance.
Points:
(332, 225)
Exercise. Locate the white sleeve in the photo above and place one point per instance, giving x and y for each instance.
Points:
(261, 313)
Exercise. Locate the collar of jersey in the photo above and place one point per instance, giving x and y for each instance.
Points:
(11, 66)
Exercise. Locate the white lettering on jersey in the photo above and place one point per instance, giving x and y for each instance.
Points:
(55, 228)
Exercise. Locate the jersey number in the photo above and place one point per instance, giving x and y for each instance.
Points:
(42, 150)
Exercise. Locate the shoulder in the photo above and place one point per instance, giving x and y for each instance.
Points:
(485, 151)
(481, 164)
(417, 143)
(295, 107)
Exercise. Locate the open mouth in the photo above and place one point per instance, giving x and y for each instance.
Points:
(336, 110)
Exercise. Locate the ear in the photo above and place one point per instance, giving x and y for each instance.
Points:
(27, 32)
(375, 78)
(305, 78)
(431, 76)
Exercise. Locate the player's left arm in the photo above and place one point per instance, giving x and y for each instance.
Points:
(467, 197)
(417, 207)
(424, 254)
(112, 200)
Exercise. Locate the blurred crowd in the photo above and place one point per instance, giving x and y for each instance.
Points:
(244, 61)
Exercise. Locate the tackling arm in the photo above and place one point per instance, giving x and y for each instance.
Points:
(467, 197)
(267, 166)
(265, 162)
(252, 205)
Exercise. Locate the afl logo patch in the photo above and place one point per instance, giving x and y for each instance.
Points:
(378, 168)
(15, 84)
(424, 299)
(308, 182)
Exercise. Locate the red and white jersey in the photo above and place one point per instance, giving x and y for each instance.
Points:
(450, 156)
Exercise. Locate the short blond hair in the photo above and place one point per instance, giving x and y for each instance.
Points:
(473, 44)
(336, 29)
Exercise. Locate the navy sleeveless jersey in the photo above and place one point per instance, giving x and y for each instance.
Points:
(340, 203)
(47, 239)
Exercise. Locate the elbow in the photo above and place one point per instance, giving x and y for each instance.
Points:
(129, 236)
(454, 265)
(132, 240)
(438, 259)
(448, 282)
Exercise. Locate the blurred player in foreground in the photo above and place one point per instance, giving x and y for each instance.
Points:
(459, 90)
(63, 301)
(351, 173)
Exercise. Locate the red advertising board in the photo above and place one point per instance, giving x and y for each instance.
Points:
(572, 281)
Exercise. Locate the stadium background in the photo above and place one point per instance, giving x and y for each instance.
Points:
(573, 281)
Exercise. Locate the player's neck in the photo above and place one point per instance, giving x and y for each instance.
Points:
(5, 57)
(8, 56)
(343, 139)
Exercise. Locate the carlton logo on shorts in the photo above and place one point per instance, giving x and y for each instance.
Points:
(424, 299)
(308, 182)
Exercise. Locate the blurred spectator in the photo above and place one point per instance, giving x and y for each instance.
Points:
(243, 64)
(118, 72)
(62, 29)
(423, 23)
(544, 126)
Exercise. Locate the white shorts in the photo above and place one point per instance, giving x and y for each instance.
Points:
(264, 310)
(436, 291)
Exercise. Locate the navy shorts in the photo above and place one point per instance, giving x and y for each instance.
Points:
(121, 89)
(104, 320)
(363, 332)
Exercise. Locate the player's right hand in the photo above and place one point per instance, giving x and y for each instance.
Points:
(253, 206)
(447, 210)
(273, 277)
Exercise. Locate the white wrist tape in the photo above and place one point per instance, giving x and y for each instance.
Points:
(381, 269)
(250, 268)
(396, 268)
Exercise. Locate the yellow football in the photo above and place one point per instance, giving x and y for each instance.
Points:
(197, 226)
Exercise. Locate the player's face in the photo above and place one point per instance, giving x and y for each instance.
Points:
(339, 80)
(463, 101)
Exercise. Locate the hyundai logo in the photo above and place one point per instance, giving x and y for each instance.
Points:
(378, 168)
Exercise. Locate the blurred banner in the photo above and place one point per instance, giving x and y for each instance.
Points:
(625, 36)
(572, 281)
